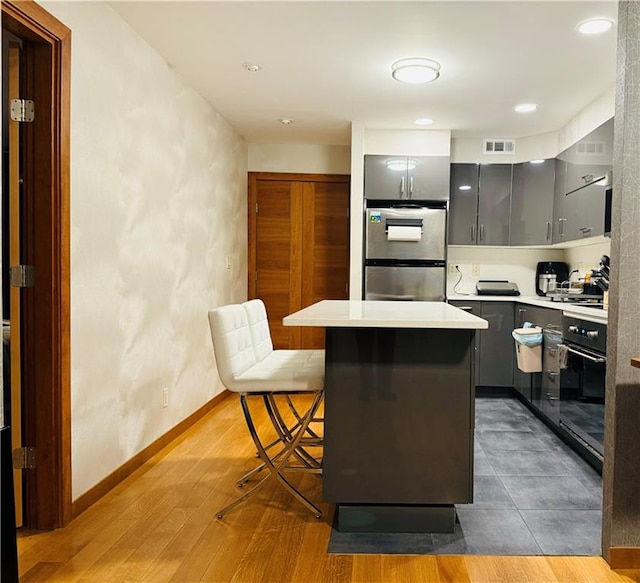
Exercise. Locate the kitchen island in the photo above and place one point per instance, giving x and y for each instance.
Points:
(399, 412)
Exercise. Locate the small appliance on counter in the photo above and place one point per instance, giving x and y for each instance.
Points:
(550, 275)
(497, 287)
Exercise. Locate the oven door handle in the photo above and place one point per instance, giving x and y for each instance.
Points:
(598, 359)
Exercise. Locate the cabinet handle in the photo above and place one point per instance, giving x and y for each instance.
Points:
(473, 232)
(481, 232)
(402, 187)
(585, 231)
(587, 178)
(522, 313)
(410, 186)
(548, 231)
(561, 223)
(551, 397)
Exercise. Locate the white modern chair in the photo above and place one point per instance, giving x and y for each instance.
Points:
(248, 365)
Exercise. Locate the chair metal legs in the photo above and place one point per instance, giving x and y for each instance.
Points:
(292, 440)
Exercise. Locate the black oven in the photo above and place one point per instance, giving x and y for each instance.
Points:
(582, 390)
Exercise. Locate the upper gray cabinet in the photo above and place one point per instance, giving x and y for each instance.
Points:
(532, 197)
(494, 204)
(580, 189)
(480, 201)
(406, 177)
(463, 204)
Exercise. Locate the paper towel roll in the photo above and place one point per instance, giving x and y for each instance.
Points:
(404, 233)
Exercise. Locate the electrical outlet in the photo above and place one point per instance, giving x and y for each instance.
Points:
(475, 269)
(165, 397)
(452, 269)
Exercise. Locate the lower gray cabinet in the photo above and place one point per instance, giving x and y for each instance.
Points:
(541, 389)
(494, 346)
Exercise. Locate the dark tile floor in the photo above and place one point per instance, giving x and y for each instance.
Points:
(533, 495)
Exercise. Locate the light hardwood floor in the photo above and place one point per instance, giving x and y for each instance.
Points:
(159, 525)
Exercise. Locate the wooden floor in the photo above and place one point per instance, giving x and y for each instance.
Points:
(159, 525)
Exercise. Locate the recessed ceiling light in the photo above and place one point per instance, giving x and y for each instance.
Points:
(464, 187)
(595, 26)
(423, 121)
(415, 70)
(285, 121)
(536, 161)
(525, 107)
(252, 67)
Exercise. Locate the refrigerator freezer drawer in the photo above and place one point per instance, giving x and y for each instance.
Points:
(406, 283)
(406, 233)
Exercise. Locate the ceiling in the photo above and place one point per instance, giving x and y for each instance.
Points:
(328, 63)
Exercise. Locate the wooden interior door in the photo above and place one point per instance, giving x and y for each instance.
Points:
(13, 240)
(277, 252)
(325, 245)
(298, 247)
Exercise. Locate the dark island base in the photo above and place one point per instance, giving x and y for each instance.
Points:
(395, 519)
(399, 416)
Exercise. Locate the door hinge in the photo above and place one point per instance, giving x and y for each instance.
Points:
(22, 275)
(23, 110)
(24, 458)
(256, 208)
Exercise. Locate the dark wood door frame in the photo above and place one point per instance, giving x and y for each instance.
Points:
(46, 235)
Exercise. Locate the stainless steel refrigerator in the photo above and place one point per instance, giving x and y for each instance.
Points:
(405, 253)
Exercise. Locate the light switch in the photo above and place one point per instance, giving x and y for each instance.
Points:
(227, 262)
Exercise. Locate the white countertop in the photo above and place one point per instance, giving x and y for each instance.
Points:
(576, 310)
(384, 314)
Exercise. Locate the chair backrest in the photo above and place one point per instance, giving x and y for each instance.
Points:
(232, 342)
(259, 326)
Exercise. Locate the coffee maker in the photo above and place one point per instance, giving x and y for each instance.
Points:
(549, 276)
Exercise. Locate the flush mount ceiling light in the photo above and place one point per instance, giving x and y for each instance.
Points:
(401, 164)
(423, 121)
(525, 107)
(595, 25)
(252, 67)
(285, 121)
(415, 70)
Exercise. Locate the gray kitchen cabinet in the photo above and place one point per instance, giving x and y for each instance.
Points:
(479, 215)
(541, 389)
(463, 205)
(579, 199)
(406, 177)
(474, 308)
(494, 346)
(494, 204)
(532, 199)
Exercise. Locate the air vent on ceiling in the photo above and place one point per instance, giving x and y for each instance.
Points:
(499, 146)
(591, 148)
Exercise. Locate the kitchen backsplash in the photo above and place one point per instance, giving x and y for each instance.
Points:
(517, 264)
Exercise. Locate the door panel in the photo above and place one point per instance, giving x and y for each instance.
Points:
(325, 266)
(431, 245)
(14, 344)
(463, 204)
(298, 248)
(275, 268)
(405, 283)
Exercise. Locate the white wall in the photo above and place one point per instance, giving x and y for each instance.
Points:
(158, 199)
(303, 158)
(514, 264)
